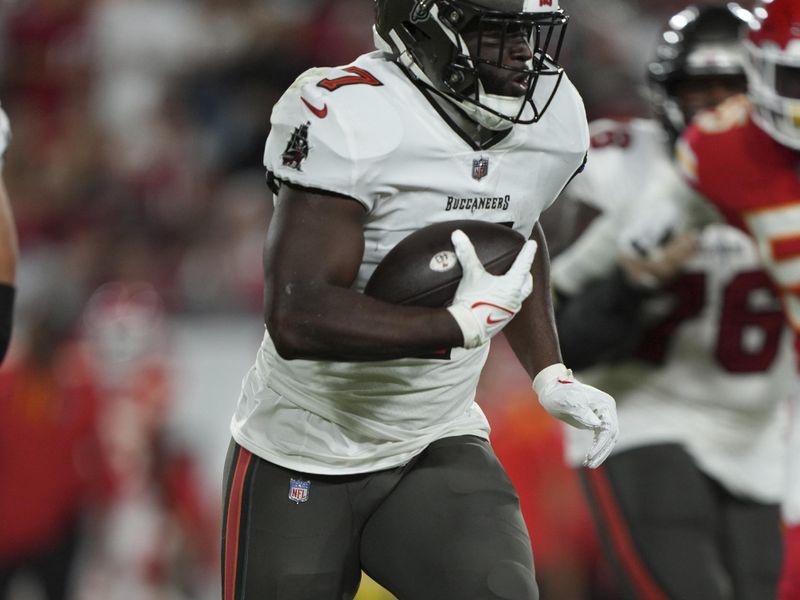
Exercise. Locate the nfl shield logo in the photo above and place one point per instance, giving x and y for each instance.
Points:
(480, 168)
(298, 490)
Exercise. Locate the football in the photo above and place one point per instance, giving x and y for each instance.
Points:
(422, 269)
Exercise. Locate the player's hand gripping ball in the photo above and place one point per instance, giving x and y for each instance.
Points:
(423, 269)
(483, 281)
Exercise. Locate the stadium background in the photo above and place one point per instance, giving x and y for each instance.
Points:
(136, 181)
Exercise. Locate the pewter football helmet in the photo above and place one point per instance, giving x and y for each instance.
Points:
(427, 38)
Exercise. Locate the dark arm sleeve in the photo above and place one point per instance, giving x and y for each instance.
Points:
(6, 314)
(601, 323)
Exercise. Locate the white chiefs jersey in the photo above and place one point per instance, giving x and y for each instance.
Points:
(714, 371)
(791, 502)
(367, 132)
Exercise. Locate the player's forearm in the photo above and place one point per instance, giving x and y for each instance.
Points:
(532, 333)
(8, 239)
(323, 322)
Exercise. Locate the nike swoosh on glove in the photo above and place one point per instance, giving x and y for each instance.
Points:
(484, 303)
(581, 406)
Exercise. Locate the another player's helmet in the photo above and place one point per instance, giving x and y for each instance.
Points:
(699, 41)
(773, 51)
(123, 325)
(425, 37)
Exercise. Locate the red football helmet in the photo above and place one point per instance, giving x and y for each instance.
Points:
(124, 325)
(773, 47)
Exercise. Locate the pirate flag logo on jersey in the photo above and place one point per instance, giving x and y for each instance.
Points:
(480, 168)
(297, 148)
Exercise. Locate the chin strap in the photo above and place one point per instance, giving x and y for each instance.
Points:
(485, 118)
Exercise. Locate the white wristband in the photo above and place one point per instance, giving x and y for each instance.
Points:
(470, 328)
(548, 374)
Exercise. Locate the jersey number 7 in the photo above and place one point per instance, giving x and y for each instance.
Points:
(358, 77)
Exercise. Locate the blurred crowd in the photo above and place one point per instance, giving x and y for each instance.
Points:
(139, 128)
(138, 189)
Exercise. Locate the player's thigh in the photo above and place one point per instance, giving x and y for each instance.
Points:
(275, 548)
(452, 528)
(753, 547)
(658, 517)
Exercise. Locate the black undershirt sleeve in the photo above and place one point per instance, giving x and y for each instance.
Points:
(7, 293)
(600, 324)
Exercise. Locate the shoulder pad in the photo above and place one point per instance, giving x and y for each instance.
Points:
(624, 134)
(329, 129)
(624, 156)
(703, 144)
(731, 114)
(568, 109)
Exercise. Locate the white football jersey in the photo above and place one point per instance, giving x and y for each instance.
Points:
(791, 502)
(716, 367)
(627, 164)
(627, 158)
(367, 132)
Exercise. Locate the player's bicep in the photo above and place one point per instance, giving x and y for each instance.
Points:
(314, 238)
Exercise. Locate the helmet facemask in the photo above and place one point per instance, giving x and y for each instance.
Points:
(773, 69)
(774, 83)
(499, 67)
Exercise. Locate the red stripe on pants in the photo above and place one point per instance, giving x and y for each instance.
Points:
(643, 584)
(233, 523)
(790, 579)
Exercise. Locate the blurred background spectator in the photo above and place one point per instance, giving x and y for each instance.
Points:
(52, 471)
(140, 199)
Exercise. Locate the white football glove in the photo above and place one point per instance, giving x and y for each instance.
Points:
(647, 229)
(581, 406)
(485, 303)
(5, 133)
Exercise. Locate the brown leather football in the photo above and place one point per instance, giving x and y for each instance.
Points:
(422, 269)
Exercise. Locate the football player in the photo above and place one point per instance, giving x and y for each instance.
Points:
(8, 246)
(690, 341)
(744, 159)
(349, 451)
